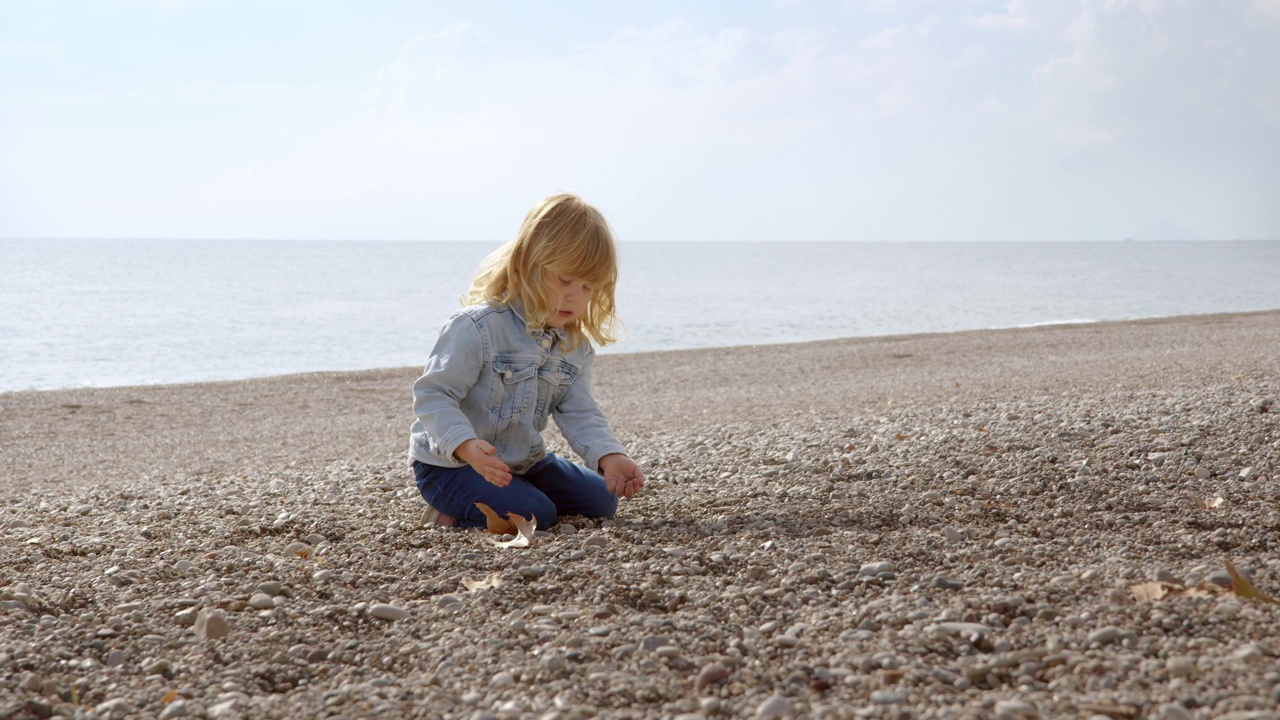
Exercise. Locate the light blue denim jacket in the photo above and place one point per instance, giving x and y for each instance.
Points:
(492, 377)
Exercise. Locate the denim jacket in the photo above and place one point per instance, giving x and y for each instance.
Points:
(492, 377)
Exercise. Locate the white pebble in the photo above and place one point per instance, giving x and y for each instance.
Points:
(382, 611)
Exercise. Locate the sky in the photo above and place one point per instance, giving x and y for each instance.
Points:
(876, 120)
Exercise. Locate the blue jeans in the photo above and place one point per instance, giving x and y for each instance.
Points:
(551, 487)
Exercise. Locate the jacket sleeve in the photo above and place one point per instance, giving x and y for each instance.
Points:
(451, 372)
(582, 422)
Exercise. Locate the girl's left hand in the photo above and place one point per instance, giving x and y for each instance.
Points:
(621, 475)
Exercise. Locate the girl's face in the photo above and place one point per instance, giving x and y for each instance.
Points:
(569, 298)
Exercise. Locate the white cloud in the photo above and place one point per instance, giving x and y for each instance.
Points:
(883, 40)
(1014, 18)
(1270, 7)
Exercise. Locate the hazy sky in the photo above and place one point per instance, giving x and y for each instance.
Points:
(736, 119)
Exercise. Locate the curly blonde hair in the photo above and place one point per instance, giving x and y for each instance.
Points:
(562, 235)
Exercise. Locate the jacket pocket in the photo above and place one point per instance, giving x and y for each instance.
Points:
(517, 376)
(554, 380)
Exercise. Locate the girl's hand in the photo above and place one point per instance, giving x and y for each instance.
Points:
(480, 456)
(622, 476)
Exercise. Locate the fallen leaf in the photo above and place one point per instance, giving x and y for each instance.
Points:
(494, 523)
(1241, 586)
(491, 580)
(524, 529)
(901, 436)
(169, 697)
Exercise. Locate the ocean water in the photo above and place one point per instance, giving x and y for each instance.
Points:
(82, 313)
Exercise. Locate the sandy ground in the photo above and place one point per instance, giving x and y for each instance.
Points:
(1011, 524)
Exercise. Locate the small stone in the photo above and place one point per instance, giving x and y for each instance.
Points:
(184, 566)
(1164, 575)
(774, 706)
(114, 708)
(261, 601)
(1203, 473)
(115, 658)
(1016, 710)
(175, 709)
(952, 534)
(942, 582)
(299, 550)
(382, 611)
(271, 587)
(1180, 666)
(503, 679)
(555, 663)
(316, 538)
(1103, 636)
(875, 568)
(322, 575)
(653, 642)
(155, 667)
(1249, 653)
(318, 655)
(1173, 711)
(710, 674)
(1220, 577)
(888, 697)
(211, 625)
(567, 529)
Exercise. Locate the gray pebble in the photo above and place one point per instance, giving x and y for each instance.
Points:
(383, 611)
(942, 582)
(876, 568)
(774, 706)
(1103, 636)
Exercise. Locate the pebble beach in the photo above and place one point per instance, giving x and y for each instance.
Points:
(1075, 521)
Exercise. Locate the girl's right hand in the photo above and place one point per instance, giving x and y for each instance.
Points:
(480, 456)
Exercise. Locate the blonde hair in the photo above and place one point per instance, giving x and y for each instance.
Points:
(560, 235)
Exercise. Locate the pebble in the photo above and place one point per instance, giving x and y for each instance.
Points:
(875, 568)
(1203, 473)
(888, 697)
(211, 625)
(261, 601)
(382, 611)
(1103, 636)
(942, 582)
(1016, 710)
(774, 706)
(953, 535)
(502, 679)
(175, 709)
(710, 674)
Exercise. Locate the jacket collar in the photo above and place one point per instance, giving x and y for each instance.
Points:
(536, 332)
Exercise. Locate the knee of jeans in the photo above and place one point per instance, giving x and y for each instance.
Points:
(545, 510)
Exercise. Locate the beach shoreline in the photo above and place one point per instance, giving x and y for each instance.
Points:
(1020, 523)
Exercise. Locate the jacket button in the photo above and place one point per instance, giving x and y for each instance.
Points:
(545, 343)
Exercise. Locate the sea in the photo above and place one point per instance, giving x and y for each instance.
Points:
(102, 313)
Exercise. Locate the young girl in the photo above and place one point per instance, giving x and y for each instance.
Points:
(518, 353)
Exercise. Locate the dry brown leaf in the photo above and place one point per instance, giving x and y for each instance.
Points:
(525, 530)
(901, 436)
(1162, 590)
(1241, 586)
(494, 523)
(169, 697)
(489, 581)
